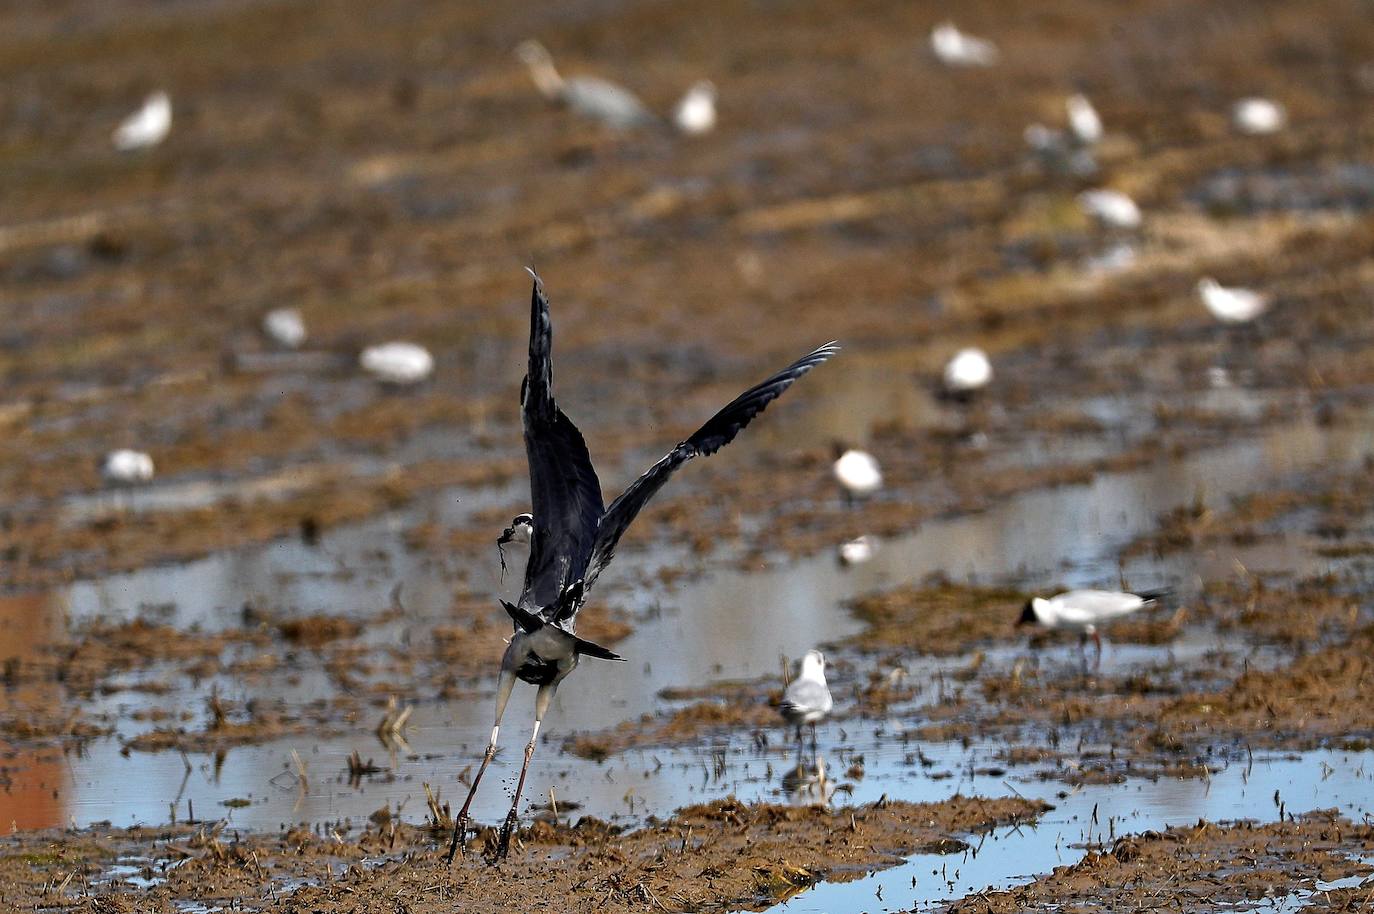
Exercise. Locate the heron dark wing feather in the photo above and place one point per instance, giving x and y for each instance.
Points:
(564, 489)
(718, 431)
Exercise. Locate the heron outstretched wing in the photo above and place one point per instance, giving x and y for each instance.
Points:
(718, 431)
(564, 489)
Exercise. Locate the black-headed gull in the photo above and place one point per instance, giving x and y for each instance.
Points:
(956, 49)
(147, 126)
(1258, 116)
(1231, 305)
(400, 364)
(1110, 208)
(1083, 611)
(589, 96)
(125, 467)
(520, 531)
(1084, 122)
(695, 114)
(285, 327)
(968, 372)
(807, 699)
(857, 472)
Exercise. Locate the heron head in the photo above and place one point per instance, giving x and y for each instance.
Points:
(532, 53)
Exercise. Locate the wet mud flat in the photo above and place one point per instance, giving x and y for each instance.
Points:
(288, 638)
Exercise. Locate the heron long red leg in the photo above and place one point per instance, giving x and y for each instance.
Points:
(460, 824)
(541, 705)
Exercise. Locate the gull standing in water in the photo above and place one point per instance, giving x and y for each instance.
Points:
(573, 537)
(1231, 305)
(956, 49)
(147, 126)
(589, 96)
(807, 699)
(1082, 611)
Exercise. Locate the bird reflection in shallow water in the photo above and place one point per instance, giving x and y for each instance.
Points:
(808, 785)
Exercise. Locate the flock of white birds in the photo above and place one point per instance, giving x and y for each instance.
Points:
(969, 371)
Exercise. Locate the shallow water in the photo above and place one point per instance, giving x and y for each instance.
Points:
(725, 624)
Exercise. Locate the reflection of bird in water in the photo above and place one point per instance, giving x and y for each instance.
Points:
(147, 126)
(807, 699)
(857, 551)
(1231, 305)
(573, 537)
(589, 96)
(1083, 611)
(809, 785)
(857, 473)
(520, 531)
(956, 49)
(398, 364)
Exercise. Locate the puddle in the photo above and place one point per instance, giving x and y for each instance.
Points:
(1093, 816)
(1296, 901)
(727, 624)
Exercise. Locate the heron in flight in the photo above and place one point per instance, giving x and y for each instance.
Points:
(574, 536)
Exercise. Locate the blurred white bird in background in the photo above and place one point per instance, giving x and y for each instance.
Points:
(285, 327)
(401, 364)
(1110, 208)
(857, 473)
(696, 113)
(1084, 122)
(970, 370)
(147, 126)
(1258, 116)
(589, 96)
(857, 551)
(1231, 305)
(956, 49)
(125, 467)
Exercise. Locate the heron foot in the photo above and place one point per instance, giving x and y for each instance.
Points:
(503, 841)
(460, 839)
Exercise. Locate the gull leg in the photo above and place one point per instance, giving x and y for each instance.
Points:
(1097, 640)
(460, 824)
(541, 705)
(813, 737)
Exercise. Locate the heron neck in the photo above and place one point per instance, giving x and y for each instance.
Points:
(546, 78)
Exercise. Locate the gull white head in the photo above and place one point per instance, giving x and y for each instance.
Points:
(956, 49)
(1231, 305)
(696, 113)
(813, 666)
(285, 327)
(147, 126)
(1258, 116)
(540, 62)
(1084, 122)
(969, 370)
(397, 363)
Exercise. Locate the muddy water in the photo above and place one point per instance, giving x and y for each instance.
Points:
(1094, 816)
(726, 624)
